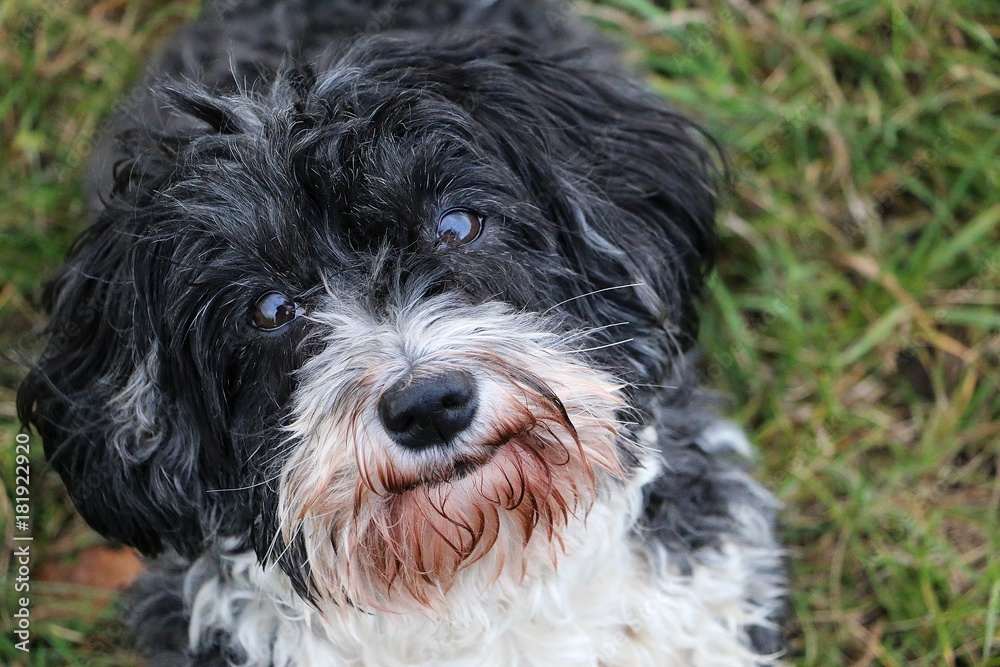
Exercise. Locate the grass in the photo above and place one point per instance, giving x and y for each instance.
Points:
(854, 320)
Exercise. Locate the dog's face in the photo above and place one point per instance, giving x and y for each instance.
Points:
(375, 322)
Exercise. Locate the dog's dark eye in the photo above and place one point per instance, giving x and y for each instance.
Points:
(458, 227)
(274, 310)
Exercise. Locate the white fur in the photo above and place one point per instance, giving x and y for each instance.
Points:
(613, 602)
(136, 407)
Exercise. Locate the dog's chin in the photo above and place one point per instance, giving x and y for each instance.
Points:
(494, 507)
(408, 532)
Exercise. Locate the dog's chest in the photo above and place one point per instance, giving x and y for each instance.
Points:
(584, 616)
(604, 606)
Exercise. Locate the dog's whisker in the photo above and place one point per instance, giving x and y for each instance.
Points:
(589, 332)
(273, 562)
(592, 293)
(264, 482)
(646, 385)
(602, 347)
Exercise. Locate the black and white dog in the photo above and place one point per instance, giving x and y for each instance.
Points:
(379, 339)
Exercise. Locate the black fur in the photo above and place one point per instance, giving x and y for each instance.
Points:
(335, 131)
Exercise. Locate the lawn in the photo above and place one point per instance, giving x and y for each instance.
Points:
(853, 324)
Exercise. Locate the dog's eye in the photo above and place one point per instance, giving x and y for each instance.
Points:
(458, 227)
(274, 310)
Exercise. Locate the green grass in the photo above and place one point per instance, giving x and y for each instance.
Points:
(854, 321)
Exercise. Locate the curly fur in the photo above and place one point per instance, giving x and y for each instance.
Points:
(595, 512)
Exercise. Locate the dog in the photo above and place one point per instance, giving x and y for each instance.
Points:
(381, 345)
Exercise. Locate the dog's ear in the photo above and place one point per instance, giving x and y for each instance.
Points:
(131, 454)
(129, 465)
(629, 181)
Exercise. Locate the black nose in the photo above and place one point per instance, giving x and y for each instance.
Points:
(425, 410)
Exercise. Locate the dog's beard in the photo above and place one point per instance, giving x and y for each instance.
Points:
(386, 528)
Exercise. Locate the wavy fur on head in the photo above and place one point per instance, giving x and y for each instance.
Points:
(588, 514)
